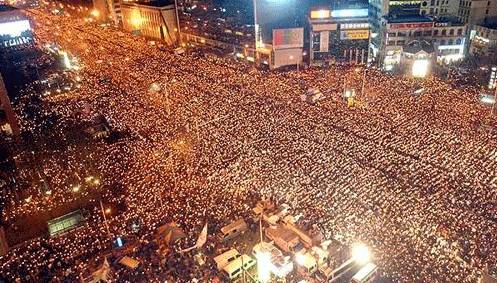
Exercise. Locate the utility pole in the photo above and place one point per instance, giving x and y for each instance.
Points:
(256, 25)
(177, 21)
(363, 82)
(495, 100)
(166, 92)
(105, 220)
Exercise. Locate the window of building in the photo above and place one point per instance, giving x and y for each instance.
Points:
(417, 33)
(401, 33)
(451, 32)
(458, 41)
(427, 33)
(450, 42)
(435, 32)
(432, 3)
(486, 12)
(431, 10)
(459, 31)
(444, 32)
(401, 42)
(424, 12)
(442, 42)
(391, 42)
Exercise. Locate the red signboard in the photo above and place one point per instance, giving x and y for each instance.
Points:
(411, 25)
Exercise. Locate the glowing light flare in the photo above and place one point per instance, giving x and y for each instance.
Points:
(361, 253)
(263, 267)
(95, 13)
(76, 189)
(65, 57)
(136, 19)
(420, 68)
(300, 259)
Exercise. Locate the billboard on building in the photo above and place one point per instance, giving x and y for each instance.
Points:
(15, 33)
(411, 25)
(288, 38)
(14, 28)
(320, 14)
(354, 34)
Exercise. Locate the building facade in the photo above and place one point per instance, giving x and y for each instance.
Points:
(155, 20)
(447, 36)
(339, 32)
(476, 12)
(484, 42)
(396, 23)
(8, 120)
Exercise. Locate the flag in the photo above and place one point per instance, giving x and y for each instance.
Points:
(102, 274)
(202, 239)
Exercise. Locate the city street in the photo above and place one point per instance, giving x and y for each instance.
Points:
(203, 138)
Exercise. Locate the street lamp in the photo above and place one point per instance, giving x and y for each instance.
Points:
(76, 188)
(420, 68)
(361, 253)
(95, 13)
(263, 266)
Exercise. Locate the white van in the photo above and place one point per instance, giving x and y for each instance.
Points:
(233, 229)
(223, 259)
(236, 267)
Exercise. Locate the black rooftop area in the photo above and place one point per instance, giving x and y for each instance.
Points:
(490, 24)
(5, 8)
(409, 19)
(448, 19)
(157, 3)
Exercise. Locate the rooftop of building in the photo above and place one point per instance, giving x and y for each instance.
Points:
(409, 19)
(448, 19)
(6, 8)
(416, 46)
(153, 3)
(490, 24)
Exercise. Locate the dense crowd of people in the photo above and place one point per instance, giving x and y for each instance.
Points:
(412, 176)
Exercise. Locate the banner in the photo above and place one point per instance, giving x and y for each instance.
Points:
(411, 25)
(354, 34)
(202, 239)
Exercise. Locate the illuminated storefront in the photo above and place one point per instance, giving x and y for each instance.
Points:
(483, 40)
(446, 35)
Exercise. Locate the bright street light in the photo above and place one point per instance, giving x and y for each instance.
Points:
(76, 188)
(95, 13)
(420, 68)
(361, 253)
(263, 266)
